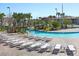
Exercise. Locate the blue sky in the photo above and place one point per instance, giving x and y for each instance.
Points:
(41, 9)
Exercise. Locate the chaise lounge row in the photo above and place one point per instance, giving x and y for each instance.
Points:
(39, 46)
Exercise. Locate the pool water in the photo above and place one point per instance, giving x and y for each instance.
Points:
(55, 34)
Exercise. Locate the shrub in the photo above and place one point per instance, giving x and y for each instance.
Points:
(56, 25)
(48, 29)
(67, 22)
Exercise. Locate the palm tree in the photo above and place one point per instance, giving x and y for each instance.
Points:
(28, 16)
(58, 14)
(62, 19)
(50, 16)
(40, 18)
(21, 19)
(18, 17)
(1, 18)
(62, 15)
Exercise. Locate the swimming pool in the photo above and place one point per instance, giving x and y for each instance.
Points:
(54, 34)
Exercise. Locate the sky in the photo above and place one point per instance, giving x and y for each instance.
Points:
(40, 9)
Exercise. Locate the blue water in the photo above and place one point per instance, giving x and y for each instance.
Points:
(55, 34)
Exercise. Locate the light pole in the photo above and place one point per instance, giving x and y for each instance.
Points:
(8, 18)
(9, 11)
(56, 11)
(62, 8)
(62, 15)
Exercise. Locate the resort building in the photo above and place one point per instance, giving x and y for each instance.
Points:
(75, 20)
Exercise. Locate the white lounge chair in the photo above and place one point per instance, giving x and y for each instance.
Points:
(25, 45)
(3, 40)
(44, 47)
(18, 42)
(38, 38)
(70, 50)
(71, 47)
(34, 46)
(57, 46)
(6, 43)
(4, 36)
(15, 43)
(57, 49)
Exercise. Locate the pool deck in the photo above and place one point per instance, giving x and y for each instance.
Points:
(68, 30)
(7, 51)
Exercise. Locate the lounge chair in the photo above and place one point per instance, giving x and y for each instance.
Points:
(38, 38)
(70, 50)
(15, 43)
(44, 47)
(6, 39)
(12, 44)
(18, 43)
(1, 41)
(6, 43)
(25, 45)
(4, 36)
(31, 37)
(47, 40)
(56, 49)
(34, 46)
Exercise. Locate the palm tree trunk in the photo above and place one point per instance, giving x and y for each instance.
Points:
(1, 24)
